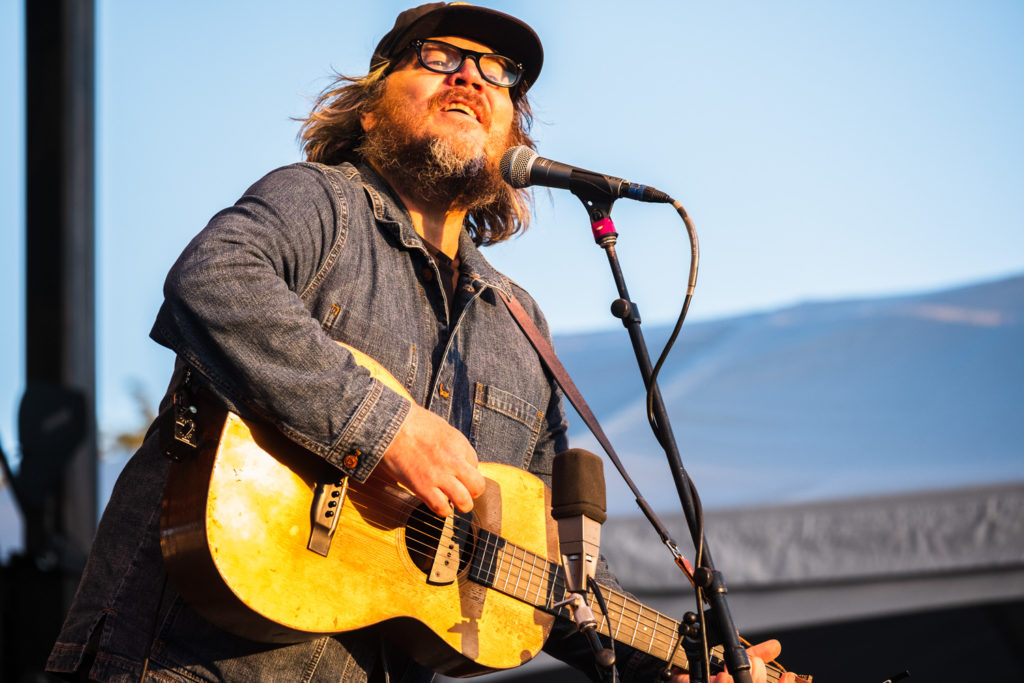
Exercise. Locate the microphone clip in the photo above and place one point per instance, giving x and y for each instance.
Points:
(598, 206)
(587, 625)
(580, 610)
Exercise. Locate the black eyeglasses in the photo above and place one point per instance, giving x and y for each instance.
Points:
(443, 58)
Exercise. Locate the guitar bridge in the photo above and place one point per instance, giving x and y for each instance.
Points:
(327, 502)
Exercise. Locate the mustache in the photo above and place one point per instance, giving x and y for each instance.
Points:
(467, 96)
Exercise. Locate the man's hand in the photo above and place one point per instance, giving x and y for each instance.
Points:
(434, 461)
(759, 654)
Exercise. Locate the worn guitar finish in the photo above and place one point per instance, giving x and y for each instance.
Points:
(235, 533)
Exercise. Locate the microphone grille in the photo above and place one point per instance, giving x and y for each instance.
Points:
(515, 165)
(577, 485)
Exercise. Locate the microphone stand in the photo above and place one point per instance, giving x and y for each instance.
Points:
(597, 200)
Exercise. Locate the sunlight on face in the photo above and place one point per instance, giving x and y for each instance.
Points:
(475, 117)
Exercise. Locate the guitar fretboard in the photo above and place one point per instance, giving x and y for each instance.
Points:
(526, 576)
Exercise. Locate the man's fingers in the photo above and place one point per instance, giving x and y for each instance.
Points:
(460, 496)
(442, 491)
(758, 654)
(437, 501)
(434, 461)
(472, 480)
(769, 650)
(452, 492)
(465, 484)
(466, 469)
(758, 672)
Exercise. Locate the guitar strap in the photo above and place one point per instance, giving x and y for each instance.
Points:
(561, 375)
(550, 360)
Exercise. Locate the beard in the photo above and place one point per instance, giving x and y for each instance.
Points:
(452, 171)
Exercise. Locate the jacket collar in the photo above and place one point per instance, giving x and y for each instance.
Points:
(389, 211)
(477, 268)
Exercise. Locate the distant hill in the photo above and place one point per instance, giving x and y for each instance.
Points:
(821, 400)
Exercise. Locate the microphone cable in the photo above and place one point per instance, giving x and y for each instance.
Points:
(661, 436)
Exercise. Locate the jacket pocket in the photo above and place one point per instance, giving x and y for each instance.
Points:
(505, 427)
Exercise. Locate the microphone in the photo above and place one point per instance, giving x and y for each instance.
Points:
(522, 167)
(578, 504)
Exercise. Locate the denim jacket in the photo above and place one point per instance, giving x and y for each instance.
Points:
(309, 255)
(325, 258)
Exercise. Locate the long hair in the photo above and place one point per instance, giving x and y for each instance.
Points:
(332, 133)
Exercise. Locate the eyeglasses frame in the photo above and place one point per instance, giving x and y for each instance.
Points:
(418, 44)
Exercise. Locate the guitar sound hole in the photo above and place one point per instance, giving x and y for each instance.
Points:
(423, 536)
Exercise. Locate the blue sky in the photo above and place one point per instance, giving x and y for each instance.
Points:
(824, 150)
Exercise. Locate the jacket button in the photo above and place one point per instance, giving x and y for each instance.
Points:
(428, 274)
(351, 461)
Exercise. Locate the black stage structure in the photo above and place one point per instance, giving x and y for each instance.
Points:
(55, 485)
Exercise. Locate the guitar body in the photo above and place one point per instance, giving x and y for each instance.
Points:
(234, 531)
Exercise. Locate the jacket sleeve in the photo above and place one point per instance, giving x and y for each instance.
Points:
(235, 310)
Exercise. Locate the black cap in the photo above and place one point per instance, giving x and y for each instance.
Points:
(502, 33)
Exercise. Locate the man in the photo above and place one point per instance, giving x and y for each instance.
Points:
(373, 243)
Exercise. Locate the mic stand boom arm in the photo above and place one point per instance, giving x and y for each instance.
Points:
(597, 200)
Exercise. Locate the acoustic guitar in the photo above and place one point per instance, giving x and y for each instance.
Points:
(264, 540)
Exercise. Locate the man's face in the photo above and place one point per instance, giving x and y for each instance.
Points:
(461, 109)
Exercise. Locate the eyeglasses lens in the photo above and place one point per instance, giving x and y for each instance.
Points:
(447, 59)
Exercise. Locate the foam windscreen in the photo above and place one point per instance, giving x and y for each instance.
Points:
(577, 485)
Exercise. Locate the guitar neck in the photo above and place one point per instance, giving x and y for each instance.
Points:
(642, 628)
(630, 622)
(526, 576)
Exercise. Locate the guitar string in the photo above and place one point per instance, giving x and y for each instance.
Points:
(657, 626)
(660, 635)
(662, 639)
(517, 565)
(426, 550)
